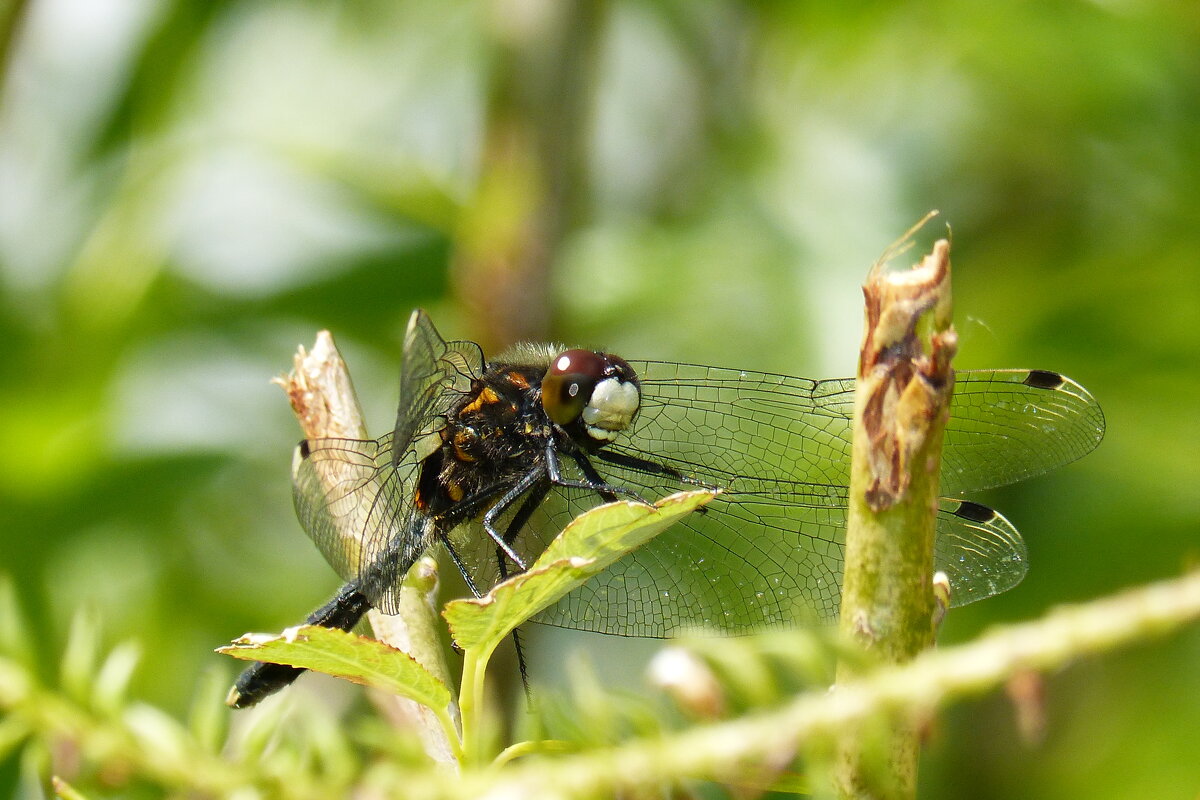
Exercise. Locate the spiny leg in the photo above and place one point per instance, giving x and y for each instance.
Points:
(462, 567)
(467, 507)
(527, 482)
(536, 495)
(650, 468)
(594, 483)
(504, 544)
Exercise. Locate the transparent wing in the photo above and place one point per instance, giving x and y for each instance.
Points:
(741, 564)
(737, 583)
(356, 498)
(1009, 425)
(357, 507)
(433, 372)
(1005, 425)
(770, 548)
(768, 554)
(978, 549)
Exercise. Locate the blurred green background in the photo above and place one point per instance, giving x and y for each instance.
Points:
(191, 188)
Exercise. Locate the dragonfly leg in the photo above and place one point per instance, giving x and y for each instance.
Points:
(534, 499)
(466, 574)
(653, 468)
(595, 482)
(650, 467)
(515, 525)
(469, 506)
(529, 480)
(462, 567)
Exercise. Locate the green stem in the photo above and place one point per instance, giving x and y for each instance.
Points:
(902, 405)
(535, 747)
(417, 629)
(472, 703)
(450, 731)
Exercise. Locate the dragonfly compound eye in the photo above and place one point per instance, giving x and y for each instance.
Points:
(599, 389)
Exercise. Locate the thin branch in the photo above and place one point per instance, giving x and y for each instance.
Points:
(140, 741)
(532, 185)
(730, 751)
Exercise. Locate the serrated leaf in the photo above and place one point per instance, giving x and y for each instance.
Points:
(345, 655)
(588, 545)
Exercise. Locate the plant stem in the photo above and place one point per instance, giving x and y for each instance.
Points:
(902, 404)
(472, 700)
(531, 189)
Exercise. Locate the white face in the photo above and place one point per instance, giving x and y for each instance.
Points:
(611, 408)
(598, 390)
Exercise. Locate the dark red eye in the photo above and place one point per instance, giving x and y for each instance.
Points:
(568, 383)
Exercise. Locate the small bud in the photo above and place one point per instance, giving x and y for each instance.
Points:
(1027, 691)
(689, 681)
(941, 599)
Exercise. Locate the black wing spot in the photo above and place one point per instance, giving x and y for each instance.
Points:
(1043, 379)
(974, 511)
(305, 452)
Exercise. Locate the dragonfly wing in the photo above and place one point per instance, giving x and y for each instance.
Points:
(356, 498)
(710, 421)
(770, 548)
(1009, 425)
(357, 507)
(433, 373)
(1005, 425)
(772, 554)
(979, 550)
(718, 569)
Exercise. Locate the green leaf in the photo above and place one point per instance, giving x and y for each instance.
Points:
(15, 640)
(112, 678)
(588, 545)
(355, 658)
(81, 655)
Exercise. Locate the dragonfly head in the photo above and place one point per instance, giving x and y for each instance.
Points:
(599, 391)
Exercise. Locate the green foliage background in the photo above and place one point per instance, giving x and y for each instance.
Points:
(188, 189)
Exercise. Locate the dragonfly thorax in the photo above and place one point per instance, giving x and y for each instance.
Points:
(491, 436)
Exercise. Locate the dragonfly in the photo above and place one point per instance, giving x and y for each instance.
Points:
(490, 459)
